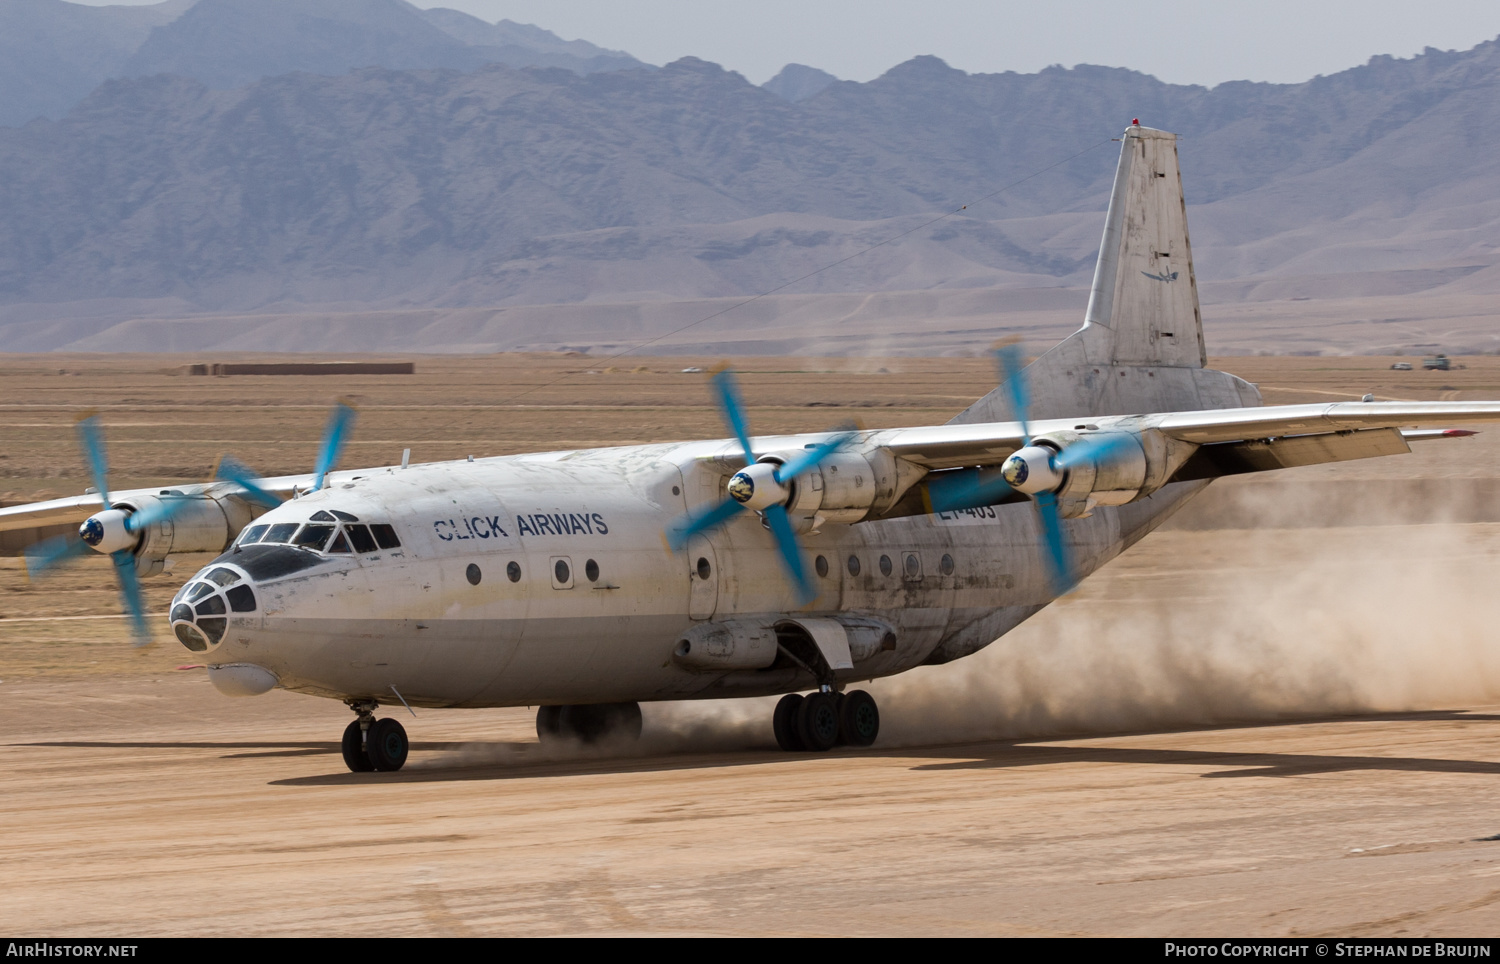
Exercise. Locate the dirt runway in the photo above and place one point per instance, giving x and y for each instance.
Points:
(159, 808)
(1290, 731)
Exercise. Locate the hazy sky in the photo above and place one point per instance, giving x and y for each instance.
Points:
(1200, 42)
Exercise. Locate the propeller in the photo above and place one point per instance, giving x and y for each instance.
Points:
(115, 532)
(1036, 471)
(763, 487)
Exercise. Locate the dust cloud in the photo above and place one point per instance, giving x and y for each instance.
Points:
(1240, 626)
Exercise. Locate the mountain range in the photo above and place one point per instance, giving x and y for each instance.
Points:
(365, 166)
(52, 53)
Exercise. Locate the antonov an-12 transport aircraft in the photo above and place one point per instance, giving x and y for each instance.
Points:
(588, 582)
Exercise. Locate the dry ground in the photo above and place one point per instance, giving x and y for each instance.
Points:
(137, 800)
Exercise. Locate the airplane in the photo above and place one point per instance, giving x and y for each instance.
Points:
(588, 582)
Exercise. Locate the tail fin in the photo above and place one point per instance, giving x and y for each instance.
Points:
(1141, 346)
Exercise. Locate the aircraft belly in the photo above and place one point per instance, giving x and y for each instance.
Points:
(429, 663)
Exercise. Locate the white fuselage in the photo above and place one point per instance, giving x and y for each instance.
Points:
(413, 620)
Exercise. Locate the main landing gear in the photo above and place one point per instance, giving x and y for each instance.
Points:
(371, 744)
(825, 719)
(589, 722)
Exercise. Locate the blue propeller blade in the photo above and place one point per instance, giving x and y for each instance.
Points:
(130, 593)
(53, 552)
(811, 457)
(678, 534)
(1011, 368)
(791, 553)
(733, 410)
(1092, 447)
(233, 470)
(333, 441)
(1060, 566)
(93, 449)
(967, 490)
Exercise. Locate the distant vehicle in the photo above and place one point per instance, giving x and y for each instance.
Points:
(1401, 366)
(1436, 363)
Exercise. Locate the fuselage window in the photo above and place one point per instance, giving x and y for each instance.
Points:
(821, 564)
(854, 565)
(513, 571)
(252, 535)
(281, 532)
(360, 538)
(473, 574)
(561, 571)
(912, 565)
(591, 569)
(385, 536)
(704, 569)
(945, 565)
(885, 565)
(339, 544)
(313, 537)
(345, 516)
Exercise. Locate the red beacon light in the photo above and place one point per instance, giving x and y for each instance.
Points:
(1135, 122)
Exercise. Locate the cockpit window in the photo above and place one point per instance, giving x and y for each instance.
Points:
(223, 577)
(339, 544)
(322, 516)
(252, 535)
(345, 516)
(313, 537)
(281, 532)
(198, 591)
(385, 535)
(361, 538)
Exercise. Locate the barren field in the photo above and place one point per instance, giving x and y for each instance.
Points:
(1280, 716)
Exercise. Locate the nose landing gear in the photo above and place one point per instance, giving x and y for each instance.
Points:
(820, 721)
(371, 744)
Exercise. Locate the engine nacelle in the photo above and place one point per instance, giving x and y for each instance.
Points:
(1135, 465)
(848, 487)
(199, 523)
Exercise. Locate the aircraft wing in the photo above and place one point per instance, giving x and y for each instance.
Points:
(36, 515)
(75, 509)
(954, 446)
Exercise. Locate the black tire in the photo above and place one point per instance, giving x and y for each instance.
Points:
(859, 719)
(818, 722)
(549, 723)
(386, 745)
(784, 723)
(596, 722)
(354, 749)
